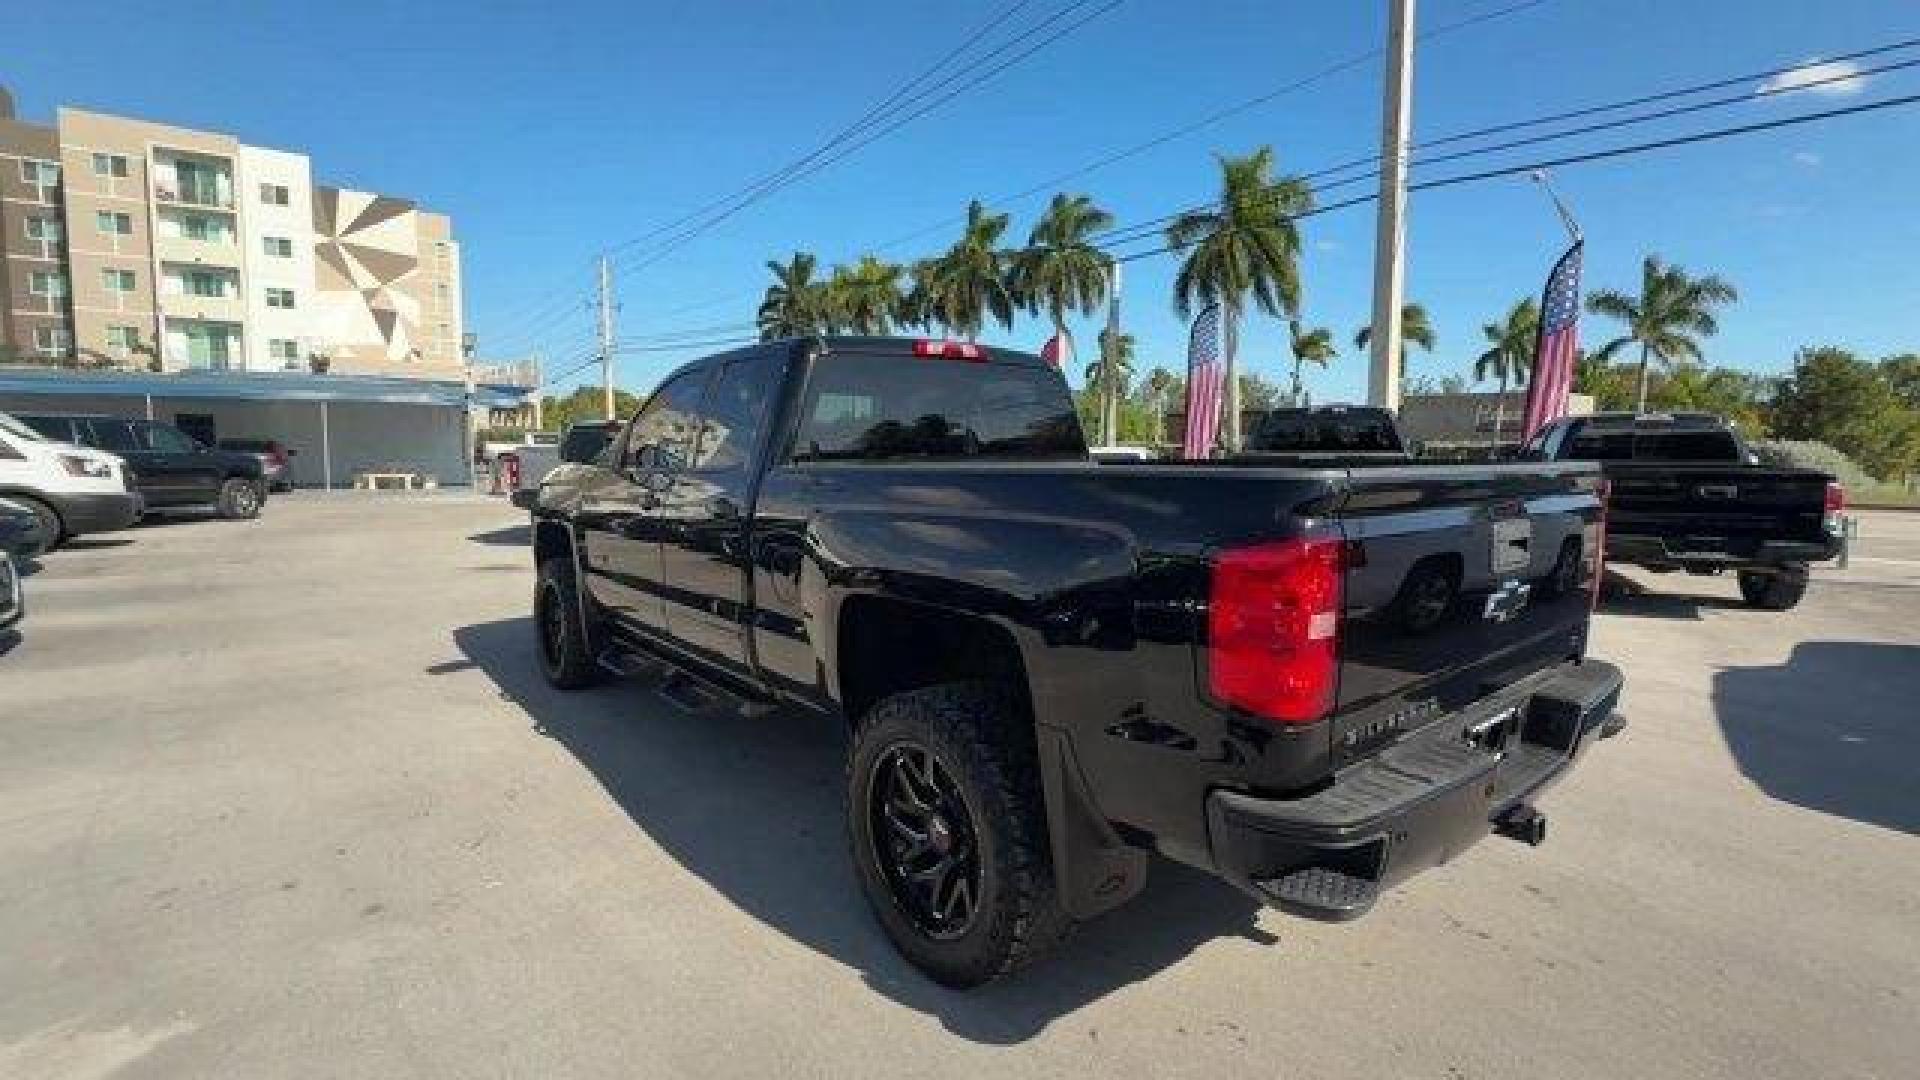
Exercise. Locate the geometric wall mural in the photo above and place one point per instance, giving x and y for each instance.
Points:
(368, 276)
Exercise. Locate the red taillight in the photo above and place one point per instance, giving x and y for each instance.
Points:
(1836, 498)
(950, 350)
(279, 456)
(1273, 629)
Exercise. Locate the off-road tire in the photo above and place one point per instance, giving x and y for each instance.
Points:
(983, 740)
(1774, 592)
(240, 499)
(561, 639)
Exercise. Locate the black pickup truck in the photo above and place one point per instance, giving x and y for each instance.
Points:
(1686, 494)
(1049, 668)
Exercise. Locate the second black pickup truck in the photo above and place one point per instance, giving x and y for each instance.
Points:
(1311, 680)
(1686, 494)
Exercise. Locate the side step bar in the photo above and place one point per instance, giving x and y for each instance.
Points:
(683, 687)
(1320, 892)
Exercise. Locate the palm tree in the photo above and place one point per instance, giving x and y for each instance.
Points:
(1247, 243)
(1664, 318)
(1160, 388)
(1309, 347)
(1415, 329)
(968, 284)
(795, 304)
(1061, 271)
(1513, 341)
(1110, 375)
(865, 298)
(919, 305)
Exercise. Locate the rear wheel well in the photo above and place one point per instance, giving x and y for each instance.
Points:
(889, 646)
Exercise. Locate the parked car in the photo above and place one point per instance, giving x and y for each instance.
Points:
(22, 534)
(1688, 495)
(580, 442)
(72, 490)
(170, 468)
(1051, 667)
(276, 460)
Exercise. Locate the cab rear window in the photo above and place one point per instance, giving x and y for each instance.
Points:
(880, 407)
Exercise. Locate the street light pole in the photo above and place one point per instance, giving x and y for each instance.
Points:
(1389, 245)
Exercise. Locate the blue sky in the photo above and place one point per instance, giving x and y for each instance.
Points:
(552, 130)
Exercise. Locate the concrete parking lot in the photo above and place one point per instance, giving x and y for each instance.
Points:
(288, 798)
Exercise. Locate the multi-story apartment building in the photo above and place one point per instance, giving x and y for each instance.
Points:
(139, 246)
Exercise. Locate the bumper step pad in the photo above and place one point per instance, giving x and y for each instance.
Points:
(1320, 892)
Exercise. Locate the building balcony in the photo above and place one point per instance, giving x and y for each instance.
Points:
(182, 249)
(201, 198)
(228, 308)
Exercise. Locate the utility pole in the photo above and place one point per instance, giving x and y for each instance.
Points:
(1109, 358)
(1389, 244)
(606, 337)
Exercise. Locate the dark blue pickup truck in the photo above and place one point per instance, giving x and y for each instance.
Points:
(1311, 679)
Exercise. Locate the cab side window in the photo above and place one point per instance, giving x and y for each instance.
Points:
(663, 434)
(737, 406)
(114, 436)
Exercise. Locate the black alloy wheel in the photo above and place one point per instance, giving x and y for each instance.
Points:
(925, 840)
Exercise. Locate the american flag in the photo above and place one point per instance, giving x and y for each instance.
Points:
(1554, 349)
(1206, 378)
(1057, 350)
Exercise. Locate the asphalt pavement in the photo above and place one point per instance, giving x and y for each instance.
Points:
(289, 798)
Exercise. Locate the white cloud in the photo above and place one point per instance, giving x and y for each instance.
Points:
(1836, 78)
(1806, 158)
(1325, 245)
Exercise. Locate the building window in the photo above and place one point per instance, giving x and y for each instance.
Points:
(120, 281)
(285, 350)
(274, 194)
(43, 228)
(279, 247)
(52, 340)
(280, 298)
(110, 165)
(203, 283)
(123, 337)
(48, 283)
(114, 223)
(39, 173)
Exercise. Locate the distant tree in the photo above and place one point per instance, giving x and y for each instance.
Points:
(1246, 245)
(1902, 373)
(1308, 347)
(1837, 398)
(865, 297)
(1666, 319)
(1416, 328)
(1511, 342)
(1159, 392)
(1258, 393)
(795, 304)
(1109, 376)
(583, 403)
(968, 285)
(1061, 271)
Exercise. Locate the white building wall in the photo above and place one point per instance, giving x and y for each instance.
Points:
(293, 222)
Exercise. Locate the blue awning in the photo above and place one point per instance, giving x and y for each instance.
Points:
(259, 386)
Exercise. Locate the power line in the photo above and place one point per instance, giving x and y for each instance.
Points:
(1710, 135)
(672, 244)
(1139, 231)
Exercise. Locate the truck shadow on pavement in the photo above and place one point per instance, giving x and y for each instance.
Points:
(1833, 729)
(753, 806)
(1621, 595)
(520, 535)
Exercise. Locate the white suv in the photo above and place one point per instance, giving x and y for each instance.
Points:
(73, 489)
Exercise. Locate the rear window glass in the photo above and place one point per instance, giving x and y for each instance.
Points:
(1346, 431)
(861, 407)
(1686, 446)
(57, 428)
(115, 436)
(1628, 444)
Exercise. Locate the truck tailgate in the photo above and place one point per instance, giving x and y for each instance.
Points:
(1459, 583)
(1717, 509)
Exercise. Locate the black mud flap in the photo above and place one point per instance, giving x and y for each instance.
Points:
(1094, 869)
